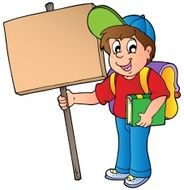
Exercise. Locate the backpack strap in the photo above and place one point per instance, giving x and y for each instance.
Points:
(168, 75)
(112, 82)
(143, 79)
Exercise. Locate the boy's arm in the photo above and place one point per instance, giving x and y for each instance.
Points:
(77, 98)
(102, 94)
(159, 93)
(146, 118)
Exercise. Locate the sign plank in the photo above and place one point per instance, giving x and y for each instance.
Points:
(53, 49)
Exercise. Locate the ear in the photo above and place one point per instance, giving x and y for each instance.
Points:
(148, 51)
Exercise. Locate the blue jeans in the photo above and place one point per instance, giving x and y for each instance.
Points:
(132, 155)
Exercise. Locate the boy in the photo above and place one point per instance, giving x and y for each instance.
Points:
(130, 44)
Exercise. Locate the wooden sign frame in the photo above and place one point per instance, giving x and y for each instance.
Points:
(22, 78)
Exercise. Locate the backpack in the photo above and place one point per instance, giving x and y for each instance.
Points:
(168, 72)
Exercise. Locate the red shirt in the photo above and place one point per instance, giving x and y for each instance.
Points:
(125, 87)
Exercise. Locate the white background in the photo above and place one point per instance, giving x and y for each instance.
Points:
(34, 152)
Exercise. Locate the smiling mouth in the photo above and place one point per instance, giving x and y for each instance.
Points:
(127, 67)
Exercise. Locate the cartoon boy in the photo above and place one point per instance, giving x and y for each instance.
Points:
(130, 44)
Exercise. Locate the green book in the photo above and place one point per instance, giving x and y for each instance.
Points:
(138, 104)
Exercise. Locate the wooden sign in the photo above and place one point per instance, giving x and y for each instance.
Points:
(53, 49)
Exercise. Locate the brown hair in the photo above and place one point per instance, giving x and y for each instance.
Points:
(125, 31)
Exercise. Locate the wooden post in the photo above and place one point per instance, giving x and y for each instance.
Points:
(69, 126)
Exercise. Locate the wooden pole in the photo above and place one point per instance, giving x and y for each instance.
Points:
(69, 126)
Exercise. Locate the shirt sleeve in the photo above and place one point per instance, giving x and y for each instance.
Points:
(157, 86)
(103, 92)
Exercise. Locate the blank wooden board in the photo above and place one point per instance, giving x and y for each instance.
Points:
(53, 49)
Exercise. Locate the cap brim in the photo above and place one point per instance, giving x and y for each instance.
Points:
(102, 17)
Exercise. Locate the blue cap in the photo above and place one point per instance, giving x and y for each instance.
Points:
(142, 24)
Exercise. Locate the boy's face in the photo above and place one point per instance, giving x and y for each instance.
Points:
(128, 56)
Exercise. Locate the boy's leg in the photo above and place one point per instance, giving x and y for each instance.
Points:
(123, 155)
(140, 168)
(122, 168)
(140, 163)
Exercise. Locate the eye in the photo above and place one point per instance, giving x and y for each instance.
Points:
(116, 47)
(131, 46)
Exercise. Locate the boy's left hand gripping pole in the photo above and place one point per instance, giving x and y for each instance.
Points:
(69, 126)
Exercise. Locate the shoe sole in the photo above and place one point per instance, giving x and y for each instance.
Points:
(114, 179)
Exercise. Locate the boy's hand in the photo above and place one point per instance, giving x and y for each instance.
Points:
(155, 105)
(65, 102)
(145, 120)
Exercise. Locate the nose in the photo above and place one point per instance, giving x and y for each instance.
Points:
(119, 55)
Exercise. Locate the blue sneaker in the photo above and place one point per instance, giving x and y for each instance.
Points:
(112, 174)
(134, 182)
